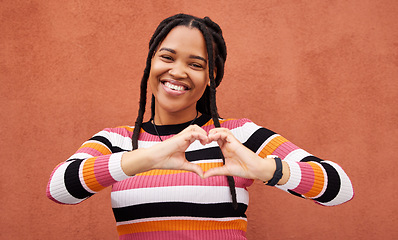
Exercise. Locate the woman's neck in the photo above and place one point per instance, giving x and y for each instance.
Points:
(169, 118)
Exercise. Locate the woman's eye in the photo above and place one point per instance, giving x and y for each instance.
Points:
(196, 65)
(166, 57)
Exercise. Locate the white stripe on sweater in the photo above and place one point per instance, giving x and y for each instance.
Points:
(346, 190)
(153, 219)
(192, 194)
(115, 167)
(58, 189)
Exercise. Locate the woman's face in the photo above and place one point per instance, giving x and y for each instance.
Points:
(179, 73)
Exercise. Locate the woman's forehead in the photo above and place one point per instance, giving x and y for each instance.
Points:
(182, 39)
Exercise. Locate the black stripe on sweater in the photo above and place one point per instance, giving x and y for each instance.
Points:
(72, 180)
(254, 142)
(334, 181)
(294, 193)
(204, 154)
(258, 138)
(107, 143)
(172, 209)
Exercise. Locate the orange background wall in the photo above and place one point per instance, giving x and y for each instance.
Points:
(324, 74)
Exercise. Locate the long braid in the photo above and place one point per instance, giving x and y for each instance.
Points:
(213, 106)
(216, 57)
(155, 40)
(153, 107)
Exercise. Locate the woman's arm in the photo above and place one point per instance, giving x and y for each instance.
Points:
(304, 175)
(94, 166)
(107, 158)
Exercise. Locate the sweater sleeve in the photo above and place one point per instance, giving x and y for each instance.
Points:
(95, 166)
(323, 181)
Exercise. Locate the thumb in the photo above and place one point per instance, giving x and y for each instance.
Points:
(217, 171)
(193, 168)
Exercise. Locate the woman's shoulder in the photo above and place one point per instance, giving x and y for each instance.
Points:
(243, 124)
(123, 131)
(235, 121)
(232, 123)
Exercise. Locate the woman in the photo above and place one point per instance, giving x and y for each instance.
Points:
(184, 173)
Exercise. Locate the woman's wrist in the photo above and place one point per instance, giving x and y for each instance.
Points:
(267, 170)
(135, 161)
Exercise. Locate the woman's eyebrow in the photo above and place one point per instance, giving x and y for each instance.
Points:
(190, 56)
(198, 57)
(168, 49)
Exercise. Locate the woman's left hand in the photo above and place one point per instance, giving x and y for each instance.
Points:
(239, 160)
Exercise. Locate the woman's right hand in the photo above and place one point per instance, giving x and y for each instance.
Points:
(169, 154)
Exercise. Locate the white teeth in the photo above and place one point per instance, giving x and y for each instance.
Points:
(174, 87)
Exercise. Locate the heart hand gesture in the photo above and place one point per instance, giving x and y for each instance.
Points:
(239, 160)
(170, 154)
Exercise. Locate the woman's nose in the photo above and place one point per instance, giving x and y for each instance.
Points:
(178, 71)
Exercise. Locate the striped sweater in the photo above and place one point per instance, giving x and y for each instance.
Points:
(173, 204)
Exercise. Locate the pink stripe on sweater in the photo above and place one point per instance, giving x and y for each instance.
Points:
(144, 136)
(307, 178)
(180, 179)
(228, 234)
(231, 124)
(101, 171)
(120, 130)
(91, 151)
(284, 149)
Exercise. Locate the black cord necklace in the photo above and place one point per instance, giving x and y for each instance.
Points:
(156, 129)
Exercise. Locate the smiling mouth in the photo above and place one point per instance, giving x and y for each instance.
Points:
(175, 87)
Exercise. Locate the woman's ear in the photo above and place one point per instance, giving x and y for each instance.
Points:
(214, 75)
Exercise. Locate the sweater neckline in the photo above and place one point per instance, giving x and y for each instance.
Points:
(165, 130)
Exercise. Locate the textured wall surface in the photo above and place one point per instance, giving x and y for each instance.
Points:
(324, 74)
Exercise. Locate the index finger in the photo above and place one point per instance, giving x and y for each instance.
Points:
(194, 128)
(193, 133)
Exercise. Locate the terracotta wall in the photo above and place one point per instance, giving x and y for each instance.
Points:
(321, 73)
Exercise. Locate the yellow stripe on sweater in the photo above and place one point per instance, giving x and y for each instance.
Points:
(130, 129)
(96, 146)
(318, 179)
(89, 177)
(272, 146)
(204, 166)
(181, 225)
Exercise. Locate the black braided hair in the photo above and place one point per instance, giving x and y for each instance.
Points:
(217, 54)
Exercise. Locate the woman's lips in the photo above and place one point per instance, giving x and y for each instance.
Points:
(174, 87)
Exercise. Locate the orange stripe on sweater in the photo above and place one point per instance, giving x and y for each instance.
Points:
(211, 122)
(272, 146)
(204, 166)
(89, 177)
(99, 147)
(180, 225)
(318, 181)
